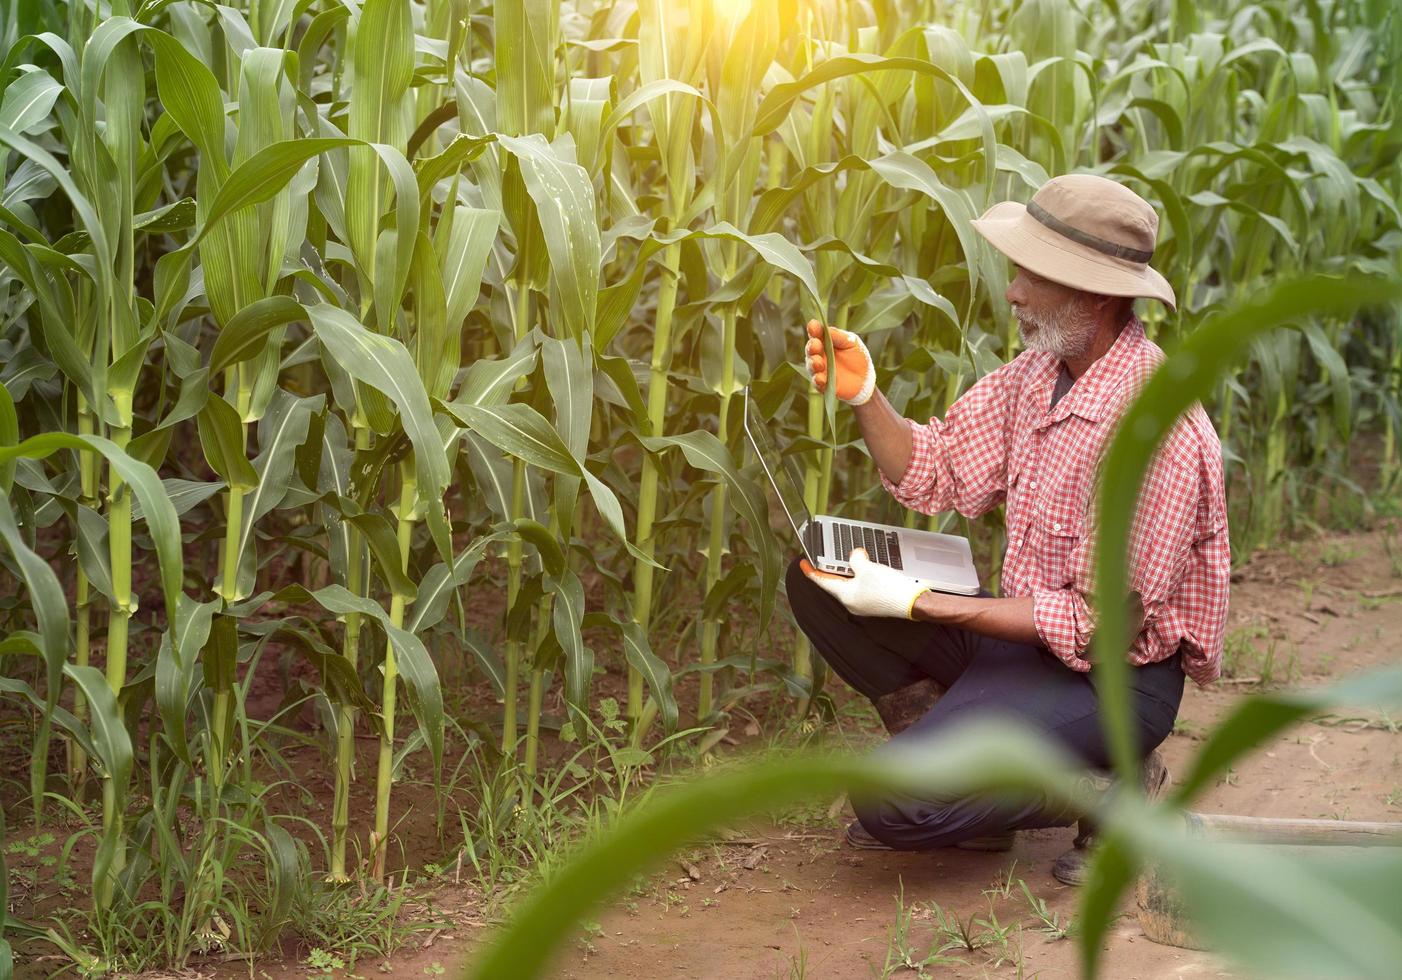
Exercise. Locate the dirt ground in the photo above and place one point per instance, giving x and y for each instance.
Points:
(1318, 611)
(787, 899)
(790, 900)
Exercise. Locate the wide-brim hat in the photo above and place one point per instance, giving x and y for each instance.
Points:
(1084, 231)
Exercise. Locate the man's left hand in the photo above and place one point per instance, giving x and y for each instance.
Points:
(872, 590)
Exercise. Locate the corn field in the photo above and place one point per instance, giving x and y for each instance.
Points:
(400, 342)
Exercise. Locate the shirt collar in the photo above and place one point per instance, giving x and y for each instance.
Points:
(1102, 385)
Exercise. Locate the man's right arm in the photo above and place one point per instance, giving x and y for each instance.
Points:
(955, 463)
(959, 463)
(886, 434)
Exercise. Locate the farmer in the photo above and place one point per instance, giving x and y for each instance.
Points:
(1029, 436)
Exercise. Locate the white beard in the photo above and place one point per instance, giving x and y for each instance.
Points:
(1065, 333)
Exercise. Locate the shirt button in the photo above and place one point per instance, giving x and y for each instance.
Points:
(1056, 527)
(1033, 485)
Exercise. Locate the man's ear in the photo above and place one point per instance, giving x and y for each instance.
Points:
(1102, 303)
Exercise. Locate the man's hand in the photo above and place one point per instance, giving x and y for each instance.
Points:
(855, 374)
(873, 590)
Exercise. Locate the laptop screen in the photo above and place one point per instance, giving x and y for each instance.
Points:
(783, 473)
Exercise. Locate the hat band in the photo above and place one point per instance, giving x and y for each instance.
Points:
(1086, 238)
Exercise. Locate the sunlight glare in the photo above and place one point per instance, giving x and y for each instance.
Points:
(731, 11)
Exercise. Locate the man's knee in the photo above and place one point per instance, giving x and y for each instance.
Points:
(805, 596)
(794, 579)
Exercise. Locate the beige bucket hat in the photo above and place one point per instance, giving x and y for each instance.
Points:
(1083, 231)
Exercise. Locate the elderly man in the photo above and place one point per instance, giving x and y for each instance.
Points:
(1029, 436)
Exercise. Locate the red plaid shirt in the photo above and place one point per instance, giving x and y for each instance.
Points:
(1000, 443)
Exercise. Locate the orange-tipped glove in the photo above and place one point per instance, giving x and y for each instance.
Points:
(873, 589)
(856, 375)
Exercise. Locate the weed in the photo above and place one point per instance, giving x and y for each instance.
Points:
(1000, 940)
(1336, 553)
(1393, 552)
(952, 932)
(322, 965)
(797, 963)
(1307, 587)
(592, 931)
(1052, 925)
(1238, 647)
(901, 953)
(1002, 885)
(1188, 729)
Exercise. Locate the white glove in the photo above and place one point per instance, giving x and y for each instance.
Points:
(873, 589)
(856, 375)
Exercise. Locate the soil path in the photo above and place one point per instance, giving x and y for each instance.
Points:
(791, 901)
(1319, 611)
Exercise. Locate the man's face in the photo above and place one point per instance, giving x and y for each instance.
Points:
(1051, 318)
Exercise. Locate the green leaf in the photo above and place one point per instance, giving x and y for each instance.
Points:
(704, 451)
(263, 175)
(655, 673)
(190, 93)
(384, 546)
(28, 99)
(9, 436)
(438, 584)
(222, 439)
(1306, 914)
(415, 666)
(1110, 870)
(46, 597)
(1258, 718)
(243, 336)
(176, 660)
(545, 543)
(382, 363)
(489, 381)
(1336, 370)
(281, 431)
(113, 747)
(564, 200)
(521, 431)
(570, 377)
(159, 513)
(567, 616)
(778, 101)
(1298, 914)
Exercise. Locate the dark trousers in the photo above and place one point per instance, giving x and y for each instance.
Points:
(981, 676)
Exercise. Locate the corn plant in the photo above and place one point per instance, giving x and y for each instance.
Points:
(319, 320)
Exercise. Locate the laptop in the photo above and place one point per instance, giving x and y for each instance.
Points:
(942, 562)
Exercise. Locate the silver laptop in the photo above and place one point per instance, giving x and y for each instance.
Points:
(942, 562)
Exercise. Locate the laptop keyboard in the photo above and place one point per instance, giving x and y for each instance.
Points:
(883, 547)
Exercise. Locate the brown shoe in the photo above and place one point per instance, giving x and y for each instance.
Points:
(1154, 780)
(902, 708)
(858, 837)
(991, 842)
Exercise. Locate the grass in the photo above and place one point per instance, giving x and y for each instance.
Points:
(1246, 658)
(796, 965)
(952, 936)
(902, 952)
(1392, 550)
(1051, 923)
